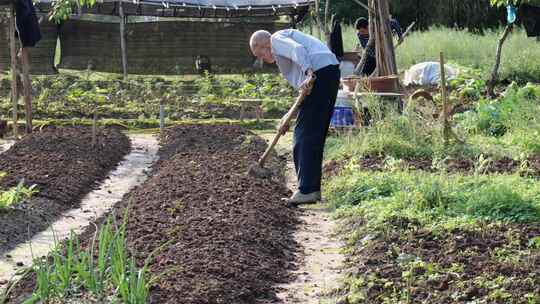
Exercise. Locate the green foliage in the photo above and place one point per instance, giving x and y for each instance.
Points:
(501, 202)
(63, 9)
(513, 118)
(16, 195)
(67, 96)
(433, 199)
(72, 269)
(501, 3)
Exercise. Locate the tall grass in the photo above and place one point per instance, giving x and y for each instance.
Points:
(519, 58)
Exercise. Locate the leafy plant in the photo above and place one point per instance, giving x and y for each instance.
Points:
(72, 268)
(16, 194)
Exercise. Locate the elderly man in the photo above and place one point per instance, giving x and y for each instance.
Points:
(298, 56)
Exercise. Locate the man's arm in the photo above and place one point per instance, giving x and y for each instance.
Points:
(287, 47)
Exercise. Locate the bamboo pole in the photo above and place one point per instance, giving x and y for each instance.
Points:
(444, 101)
(123, 40)
(13, 53)
(27, 84)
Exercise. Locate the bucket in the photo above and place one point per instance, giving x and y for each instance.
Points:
(342, 117)
(384, 84)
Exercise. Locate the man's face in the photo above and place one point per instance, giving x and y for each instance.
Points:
(263, 51)
(363, 31)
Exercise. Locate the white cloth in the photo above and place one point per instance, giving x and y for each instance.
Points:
(346, 68)
(296, 52)
(428, 73)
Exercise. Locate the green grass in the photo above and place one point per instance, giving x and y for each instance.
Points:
(477, 51)
(434, 200)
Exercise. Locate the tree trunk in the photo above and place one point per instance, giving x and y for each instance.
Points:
(494, 74)
(327, 23)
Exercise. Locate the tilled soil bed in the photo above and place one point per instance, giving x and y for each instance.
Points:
(231, 237)
(222, 236)
(64, 167)
(465, 165)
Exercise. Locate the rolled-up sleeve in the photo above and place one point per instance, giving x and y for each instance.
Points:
(287, 47)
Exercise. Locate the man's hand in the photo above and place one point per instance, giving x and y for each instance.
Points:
(284, 127)
(307, 85)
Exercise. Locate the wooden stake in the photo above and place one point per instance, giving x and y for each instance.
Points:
(27, 84)
(123, 39)
(13, 53)
(161, 117)
(444, 101)
(94, 127)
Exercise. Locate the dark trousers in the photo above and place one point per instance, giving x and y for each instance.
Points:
(312, 127)
(370, 66)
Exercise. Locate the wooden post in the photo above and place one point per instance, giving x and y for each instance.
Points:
(123, 39)
(94, 127)
(161, 117)
(444, 101)
(27, 84)
(13, 53)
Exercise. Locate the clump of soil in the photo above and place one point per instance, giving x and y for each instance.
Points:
(64, 167)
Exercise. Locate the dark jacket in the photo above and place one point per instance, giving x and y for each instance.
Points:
(27, 23)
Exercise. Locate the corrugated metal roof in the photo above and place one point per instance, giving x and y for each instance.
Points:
(215, 4)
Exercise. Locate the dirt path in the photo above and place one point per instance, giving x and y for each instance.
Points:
(320, 269)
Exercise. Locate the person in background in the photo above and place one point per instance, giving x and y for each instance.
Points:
(362, 31)
(298, 56)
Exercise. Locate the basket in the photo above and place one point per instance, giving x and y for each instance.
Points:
(384, 84)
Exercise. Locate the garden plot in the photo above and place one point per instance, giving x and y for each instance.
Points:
(64, 167)
(130, 172)
(429, 221)
(211, 233)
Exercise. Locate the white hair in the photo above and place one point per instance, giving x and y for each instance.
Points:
(258, 38)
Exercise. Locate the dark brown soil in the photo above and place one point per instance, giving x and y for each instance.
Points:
(464, 165)
(224, 237)
(458, 266)
(231, 237)
(64, 166)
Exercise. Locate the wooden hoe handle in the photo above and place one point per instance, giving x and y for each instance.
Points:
(288, 118)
